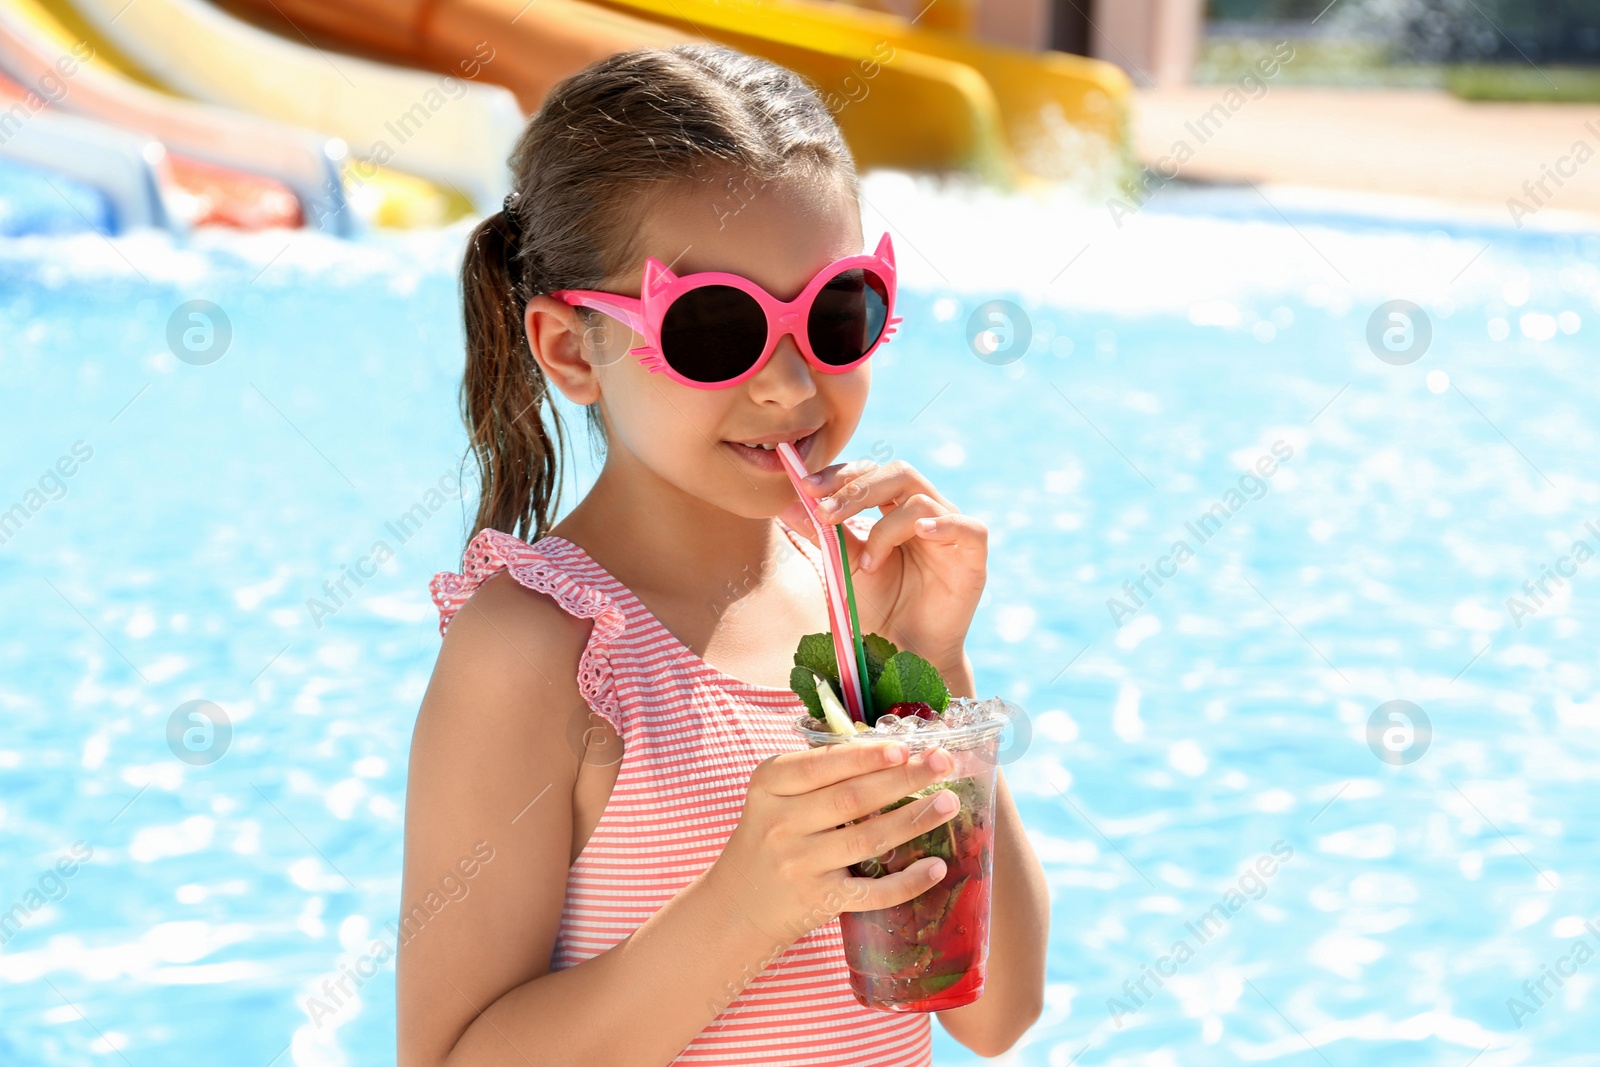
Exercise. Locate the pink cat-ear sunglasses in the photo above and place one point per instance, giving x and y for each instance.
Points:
(714, 329)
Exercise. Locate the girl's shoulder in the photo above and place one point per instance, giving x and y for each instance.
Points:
(550, 566)
(532, 626)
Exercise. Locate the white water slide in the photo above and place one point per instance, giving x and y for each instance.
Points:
(308, 164)
(455, 132)
(127, 168)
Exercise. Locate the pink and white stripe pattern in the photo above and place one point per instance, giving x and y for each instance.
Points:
(691, 735)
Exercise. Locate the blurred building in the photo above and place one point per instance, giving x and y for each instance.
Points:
(1154, 41)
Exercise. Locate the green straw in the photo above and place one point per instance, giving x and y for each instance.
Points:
(855, 629)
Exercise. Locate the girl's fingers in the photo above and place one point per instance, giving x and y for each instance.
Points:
(807, 770)
(882, 834)
(886, 487)
(896, 528)
(830, 478)
(954, 530)
(874, 894)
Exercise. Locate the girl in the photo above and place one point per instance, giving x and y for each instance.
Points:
(616, 852)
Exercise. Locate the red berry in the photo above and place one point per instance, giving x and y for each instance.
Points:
(907, 708)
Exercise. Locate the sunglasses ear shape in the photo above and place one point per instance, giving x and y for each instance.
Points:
(885, 250)
(657, 277)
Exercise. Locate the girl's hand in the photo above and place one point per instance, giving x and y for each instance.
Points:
(788, 859)
(917, 587)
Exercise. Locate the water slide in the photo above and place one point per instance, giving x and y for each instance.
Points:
(384, 196)
(454, 132)
(128, 169)
(533, 46)
(905, 96)
(203, 192)
(234, 169)
(918, 111)
(1059, 113)
(38, 202)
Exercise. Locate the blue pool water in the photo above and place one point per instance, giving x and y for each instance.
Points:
(1173, 741)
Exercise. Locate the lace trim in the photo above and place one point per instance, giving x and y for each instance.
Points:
(493, 551)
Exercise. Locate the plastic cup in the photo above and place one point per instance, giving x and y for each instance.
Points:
(929, 953)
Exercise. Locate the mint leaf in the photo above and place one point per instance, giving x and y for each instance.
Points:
(941, 983)
(804, 684)
(908, 677)
(878, 650)
(905, 960)
(815, 653)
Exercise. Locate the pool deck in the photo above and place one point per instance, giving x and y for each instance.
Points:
(1397, 142)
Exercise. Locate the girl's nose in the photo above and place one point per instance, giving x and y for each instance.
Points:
(787, 376)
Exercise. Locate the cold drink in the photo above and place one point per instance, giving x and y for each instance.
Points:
(929, 953)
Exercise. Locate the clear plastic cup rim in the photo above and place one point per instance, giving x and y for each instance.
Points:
(816, 730)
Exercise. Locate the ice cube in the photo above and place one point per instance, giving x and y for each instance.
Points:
(889, 724)
(994, 708)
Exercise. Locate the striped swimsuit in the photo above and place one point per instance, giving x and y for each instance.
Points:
(691, 735)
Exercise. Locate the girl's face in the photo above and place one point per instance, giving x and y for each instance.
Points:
(778, 236)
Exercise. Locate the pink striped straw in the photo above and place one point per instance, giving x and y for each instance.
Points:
(844, 637)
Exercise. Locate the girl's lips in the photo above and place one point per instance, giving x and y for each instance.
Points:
(767, 459)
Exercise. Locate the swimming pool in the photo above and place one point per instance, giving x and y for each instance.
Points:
(1196, 727)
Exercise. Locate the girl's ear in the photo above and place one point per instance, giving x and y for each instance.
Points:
(557, 340)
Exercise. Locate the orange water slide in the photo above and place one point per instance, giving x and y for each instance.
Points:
(532, 45)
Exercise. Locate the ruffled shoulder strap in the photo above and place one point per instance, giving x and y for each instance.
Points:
(544, 569)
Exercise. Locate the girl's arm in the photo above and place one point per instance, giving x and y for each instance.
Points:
(488, 840)
(1019, 926)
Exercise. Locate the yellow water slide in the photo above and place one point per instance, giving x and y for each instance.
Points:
(1062, 116)
(451, 131)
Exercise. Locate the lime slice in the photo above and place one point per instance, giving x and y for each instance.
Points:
(839, 720)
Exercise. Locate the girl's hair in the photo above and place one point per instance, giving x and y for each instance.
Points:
(606, 146)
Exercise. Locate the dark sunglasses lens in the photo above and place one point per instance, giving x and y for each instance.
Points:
(848, 316)
(713, 333)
